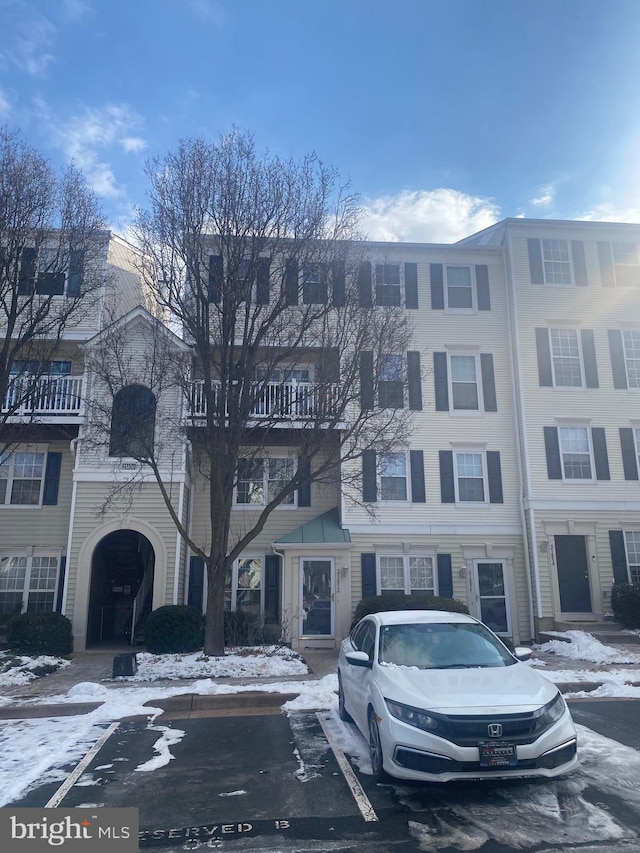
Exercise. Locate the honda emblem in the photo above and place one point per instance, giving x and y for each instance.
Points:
(495, 730)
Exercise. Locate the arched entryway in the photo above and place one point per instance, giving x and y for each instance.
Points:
(121, 590)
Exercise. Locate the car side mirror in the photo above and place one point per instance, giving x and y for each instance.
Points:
(522, 653)
(358, 659)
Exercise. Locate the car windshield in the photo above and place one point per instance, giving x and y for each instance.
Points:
(442, 645)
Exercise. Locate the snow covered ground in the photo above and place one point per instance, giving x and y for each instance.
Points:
(34, 751)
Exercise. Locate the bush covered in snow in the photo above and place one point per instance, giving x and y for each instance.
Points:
(174, 628)
(625, 603)
(40, 634)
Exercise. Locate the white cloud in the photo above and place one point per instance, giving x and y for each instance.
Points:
(76, 10)
(608, 212)
(5, 106)
(30, 41)
(545, 196)
(437, 216)
(87, 137)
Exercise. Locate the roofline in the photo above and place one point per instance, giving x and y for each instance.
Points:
(138, 311)
(526, 222)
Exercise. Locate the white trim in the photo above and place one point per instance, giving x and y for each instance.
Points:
(473, 309)
(505, 582)
(406, 569)
(595, 505)
(479, 410)
(485, 478)
(371, 530)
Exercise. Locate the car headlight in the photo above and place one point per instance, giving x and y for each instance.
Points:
(412, 716)
(553, 711)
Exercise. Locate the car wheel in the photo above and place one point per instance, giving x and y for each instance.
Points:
(342, 711)
(375, 749)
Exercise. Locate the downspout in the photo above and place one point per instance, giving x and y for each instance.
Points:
(280, 553)
(73, 446)
(530, 548)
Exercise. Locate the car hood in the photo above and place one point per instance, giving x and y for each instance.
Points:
(487, 690)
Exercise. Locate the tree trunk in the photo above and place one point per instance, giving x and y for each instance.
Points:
(214, 625)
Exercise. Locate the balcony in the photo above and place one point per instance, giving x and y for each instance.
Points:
(281, 402)
(43, 398)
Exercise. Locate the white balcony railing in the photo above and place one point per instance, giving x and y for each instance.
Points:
(46, 395)
(280, 400)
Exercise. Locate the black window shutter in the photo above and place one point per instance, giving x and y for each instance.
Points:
(76, 268)
(272, 588)
(27, 276)
(291, 282)
(552, 450)
(535, 260)
(437, 286)
(304, 489)
(366, 380)
(195, 592)
(52, 479)
(482, 286)
(543, 349)
(494, 473)
(488, 382)
(589, 356)
(445, 576)
(618, 367)
(262, 281)
(416, 461)
(601, 456)
(365, 292)
(368, 571)
(440, 381)
(369, 477)
(629, 458)
(447, 485)
(411, 285)
(579, 263)
(61, 576)
(414, 381)
(215, 278)
(606, 265)
(338, 291)
(618, 556)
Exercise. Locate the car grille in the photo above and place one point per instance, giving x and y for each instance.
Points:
(467, 730)
(422, 762)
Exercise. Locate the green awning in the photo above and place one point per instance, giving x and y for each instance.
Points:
(325, 529)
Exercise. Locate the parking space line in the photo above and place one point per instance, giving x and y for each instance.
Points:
(362, 801)
(79, 769)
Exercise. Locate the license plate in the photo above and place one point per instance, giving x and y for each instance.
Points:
(498, 755)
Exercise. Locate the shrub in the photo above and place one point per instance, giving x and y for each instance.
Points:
(246, 628)
(625, 603)
(174, 628)
(40, 634)
(400, 601)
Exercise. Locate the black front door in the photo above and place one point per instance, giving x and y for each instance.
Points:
(573, 574)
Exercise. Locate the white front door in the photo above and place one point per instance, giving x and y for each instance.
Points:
(491, 594)
(316, 597)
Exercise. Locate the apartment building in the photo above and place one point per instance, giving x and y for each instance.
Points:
(515, 492)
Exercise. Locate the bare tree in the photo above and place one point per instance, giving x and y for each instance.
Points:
(256, 260)
(52, 252)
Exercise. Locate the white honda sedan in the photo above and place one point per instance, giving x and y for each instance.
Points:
(439, 697)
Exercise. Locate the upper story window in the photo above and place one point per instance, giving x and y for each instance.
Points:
(459, 288)
(405, 573)
(48, 271)
(388, 285)
(392, 473)
(391, 382)
(40, 368)
(21, 478)
(631, 345)
(260, 480)
(626, 267)
(575, 453)
(133, 420)
(470, 478)
(464, 382)
(315, 284)
(565, 358)
(556, 262)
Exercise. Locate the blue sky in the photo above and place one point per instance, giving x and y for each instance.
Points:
(446, 115)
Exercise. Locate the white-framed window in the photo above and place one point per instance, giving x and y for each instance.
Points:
(631, 346)
(392, 477)
(315, 283)
(54, 367)
(21, 478)
(626, 265)
(556, 262)
(28, 583)
(407, 573)
(566, 358)
(636, 438)
(388, 284)
(460, 288)
(244, 587)
(391, 382)
(464, 384)
(261, 479)
(576, 453)
(632, 546)
(470, 476)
